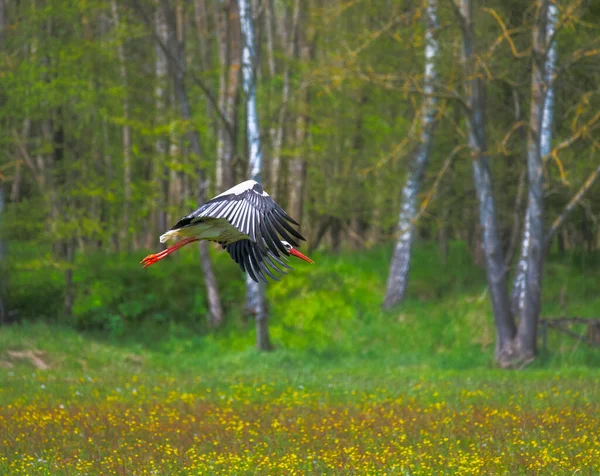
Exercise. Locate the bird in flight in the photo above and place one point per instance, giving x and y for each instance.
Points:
(245, 221)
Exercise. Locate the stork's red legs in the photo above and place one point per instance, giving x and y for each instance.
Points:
(151, 259)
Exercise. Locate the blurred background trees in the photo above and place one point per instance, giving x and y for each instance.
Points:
(120, 117)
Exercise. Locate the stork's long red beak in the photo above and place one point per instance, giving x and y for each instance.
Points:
(297, 254)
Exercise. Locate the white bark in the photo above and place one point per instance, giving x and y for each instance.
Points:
(249, 84)
(545, 146)
(550, 67)
(400, 265)
(255, 292)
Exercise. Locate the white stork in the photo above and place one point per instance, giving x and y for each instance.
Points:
(245, 221)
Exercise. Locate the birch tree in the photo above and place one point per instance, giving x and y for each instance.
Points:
(540, 123)
(545, 102)
(400, 265)
(474, 86)
(255, 292)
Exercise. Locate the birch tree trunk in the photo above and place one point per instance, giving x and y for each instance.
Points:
(255, 292)
(493, 253)
(125, 235)
(400, 265)
(542, 77)
(540, 125)
(176, 57)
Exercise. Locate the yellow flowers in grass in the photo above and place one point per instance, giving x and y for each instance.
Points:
(252, 429)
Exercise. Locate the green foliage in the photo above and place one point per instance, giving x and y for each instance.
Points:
(114, 293)
(330, 310)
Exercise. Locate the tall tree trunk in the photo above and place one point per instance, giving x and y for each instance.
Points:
(69, 254)
(176, 56)
(233, 93)
(125, 234)
(400, 265)
(162, 146)
(3, 246)
(269, 27)
(542, 106)
(494, 256)
(255, 292)
(297, 165)
(222, 132)
(205, 47)
(230, 57)
(3, 254)
(204, 43)
(277, 131)
(61, 203)
(540, 130)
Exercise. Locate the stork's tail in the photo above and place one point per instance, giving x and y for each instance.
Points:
(169, 235)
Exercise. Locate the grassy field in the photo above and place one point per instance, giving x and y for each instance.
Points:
(349, 390)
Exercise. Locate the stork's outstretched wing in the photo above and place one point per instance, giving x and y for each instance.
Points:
(253, 212)
(255, 260)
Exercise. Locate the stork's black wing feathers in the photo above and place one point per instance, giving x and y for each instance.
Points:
(254, 213)
(253, 260)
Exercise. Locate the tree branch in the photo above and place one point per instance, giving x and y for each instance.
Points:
(556, 224)
(433, 190)
(579, 133)
(506, 34)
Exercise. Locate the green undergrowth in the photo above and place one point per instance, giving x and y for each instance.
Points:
(323, 314)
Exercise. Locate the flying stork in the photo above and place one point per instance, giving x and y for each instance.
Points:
(246, 222)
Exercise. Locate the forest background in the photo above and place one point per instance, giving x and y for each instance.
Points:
(470, 128)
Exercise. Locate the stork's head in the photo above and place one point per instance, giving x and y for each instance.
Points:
(294, 252)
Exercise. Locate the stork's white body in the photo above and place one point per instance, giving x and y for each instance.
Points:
(214, 230)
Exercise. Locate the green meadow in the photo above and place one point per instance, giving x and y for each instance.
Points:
(136, 383)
